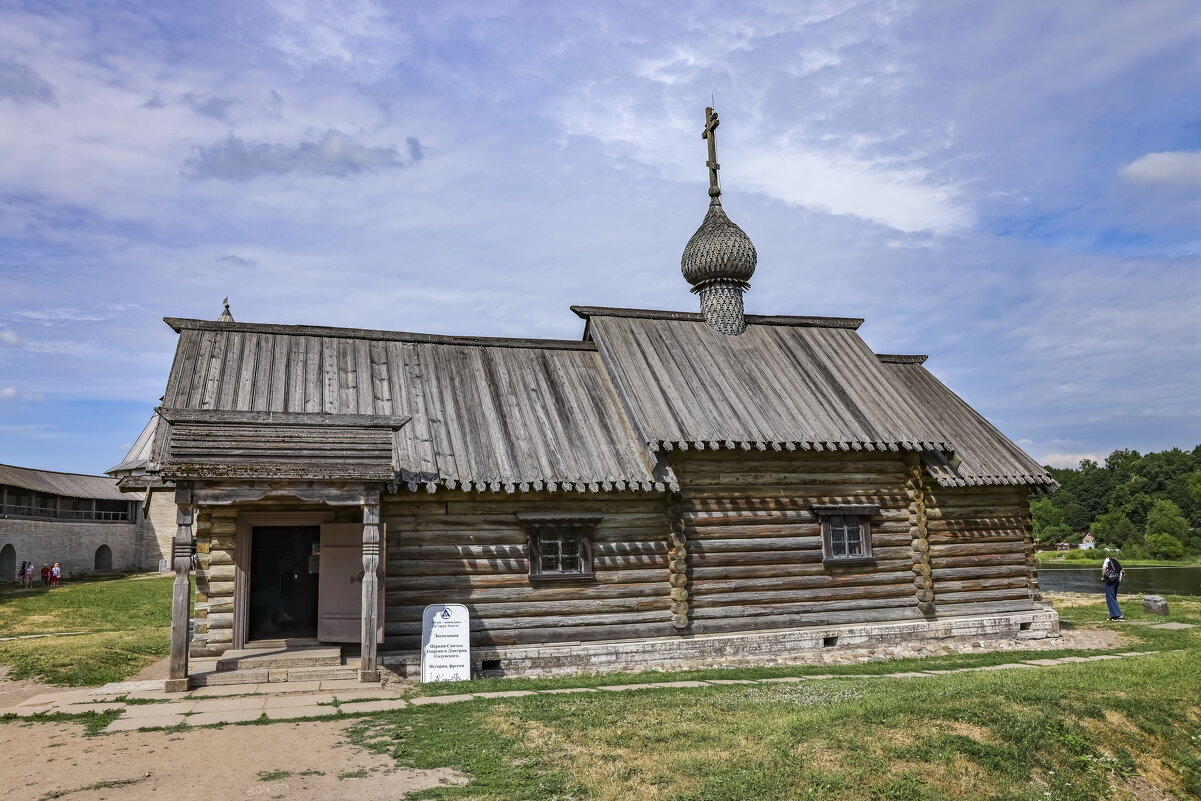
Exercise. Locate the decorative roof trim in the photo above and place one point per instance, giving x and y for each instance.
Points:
(181, 323)
(393, 422)
(852, 323)
(896, 358)
(609, 485)
(797, 445)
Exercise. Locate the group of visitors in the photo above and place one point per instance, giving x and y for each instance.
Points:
(50, 575)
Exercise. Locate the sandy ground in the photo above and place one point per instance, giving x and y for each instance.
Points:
(233, 762)
(14, 692)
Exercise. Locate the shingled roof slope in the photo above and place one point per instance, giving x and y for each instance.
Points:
(69, 485)
(485, 413)
(787, 384)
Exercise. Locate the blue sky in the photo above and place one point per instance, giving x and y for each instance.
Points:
(1013, 188)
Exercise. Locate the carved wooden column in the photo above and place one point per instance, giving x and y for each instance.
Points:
(677, 569)
(369, 668)
(1027, 528)
(915, 490)
(181, 552)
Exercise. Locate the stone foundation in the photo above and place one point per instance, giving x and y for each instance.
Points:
(764, 648)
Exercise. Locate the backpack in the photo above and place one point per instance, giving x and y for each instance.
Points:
(1110, 576)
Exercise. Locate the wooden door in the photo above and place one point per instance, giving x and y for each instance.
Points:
(340, 587)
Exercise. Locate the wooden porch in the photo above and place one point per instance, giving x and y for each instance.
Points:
(261, 661)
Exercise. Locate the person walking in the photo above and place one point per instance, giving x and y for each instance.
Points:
(29, 575)
(45, 575)
(1112, 575)
(21, 573)
(56, 573)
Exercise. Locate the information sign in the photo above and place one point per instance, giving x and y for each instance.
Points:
(445, 643)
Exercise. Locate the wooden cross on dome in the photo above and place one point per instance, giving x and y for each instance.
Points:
(710, 133)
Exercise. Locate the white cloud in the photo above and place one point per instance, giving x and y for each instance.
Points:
(9, 338)
(336, 154)
(8, 393)
(1069, 459)
(899, 198)
(339, 33)
(1180, 169)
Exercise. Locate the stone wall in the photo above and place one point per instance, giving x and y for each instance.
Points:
(73, 543)
(809, 645)
(160, 523)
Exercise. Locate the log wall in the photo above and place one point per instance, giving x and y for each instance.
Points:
(981, 549)
(755, 548)
(471, 549)
(737, 549)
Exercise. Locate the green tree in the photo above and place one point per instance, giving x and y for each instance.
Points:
(1114, 528)
(1136, 507)
(1164, 546)
(1047, 519)
(1165, 518)
(1194, 484)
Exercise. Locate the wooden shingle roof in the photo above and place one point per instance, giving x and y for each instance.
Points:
(794, 384)
(419, 411)
(479, 413)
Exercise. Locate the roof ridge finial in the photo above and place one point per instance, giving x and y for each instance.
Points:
(720, 258)
(225, 317)
(710, 133)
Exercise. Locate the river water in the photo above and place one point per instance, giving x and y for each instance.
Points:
(1139, 580)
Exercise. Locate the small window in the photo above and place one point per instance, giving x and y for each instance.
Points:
(846, 533)
(559, 547)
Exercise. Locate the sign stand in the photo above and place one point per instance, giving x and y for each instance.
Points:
(445, 643)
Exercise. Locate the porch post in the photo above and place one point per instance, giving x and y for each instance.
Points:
(369, 668)
(181, 591)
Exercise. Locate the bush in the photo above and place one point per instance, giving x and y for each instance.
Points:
(1165, 546)
(1165, 518)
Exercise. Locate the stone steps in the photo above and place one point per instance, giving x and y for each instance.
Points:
(274, 675)
(278, 658)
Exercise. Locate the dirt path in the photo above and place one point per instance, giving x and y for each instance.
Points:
(298, 761)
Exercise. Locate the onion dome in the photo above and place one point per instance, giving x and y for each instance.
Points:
(719, 250)
(720, 258)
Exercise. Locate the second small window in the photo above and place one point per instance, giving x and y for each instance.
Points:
(559, 547)
(846, 532)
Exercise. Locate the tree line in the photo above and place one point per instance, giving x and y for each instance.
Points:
(1148, 505)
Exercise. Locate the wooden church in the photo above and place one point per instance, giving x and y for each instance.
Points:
(673, 489)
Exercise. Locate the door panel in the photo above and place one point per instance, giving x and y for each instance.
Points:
(340, 594)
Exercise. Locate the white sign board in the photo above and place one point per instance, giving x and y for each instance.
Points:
(445, 643)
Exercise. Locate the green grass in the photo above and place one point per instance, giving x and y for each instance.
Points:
(127, 620)
(108, 603)
(1114, 729)
(1095, 557)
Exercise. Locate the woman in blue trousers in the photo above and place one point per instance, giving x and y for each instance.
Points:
(1112, 574)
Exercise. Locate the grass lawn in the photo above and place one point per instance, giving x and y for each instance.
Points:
(127, 619)
(1121, 729)
(1094, 558)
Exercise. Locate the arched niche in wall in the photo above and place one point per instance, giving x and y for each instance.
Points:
(8, 563)
(104, 558)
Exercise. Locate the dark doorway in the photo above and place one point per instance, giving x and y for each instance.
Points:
(104, 558)
(8, 563)
(283, 582)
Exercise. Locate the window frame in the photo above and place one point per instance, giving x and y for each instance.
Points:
(862, 514)
(578, 526)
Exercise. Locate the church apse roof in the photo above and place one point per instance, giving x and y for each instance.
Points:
(794, 383)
